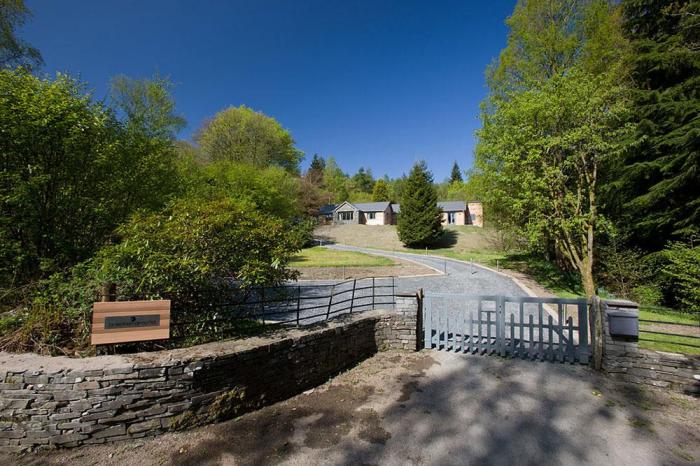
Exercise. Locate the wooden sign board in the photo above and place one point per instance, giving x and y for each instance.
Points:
(125, 321)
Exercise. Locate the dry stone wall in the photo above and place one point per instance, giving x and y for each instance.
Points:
(62, 402)
(625, 360)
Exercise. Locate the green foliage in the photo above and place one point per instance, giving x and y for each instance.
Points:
(315, 171)
(456, 174)
(555, 112)
(191, 246)
(148, 106)
(270, 189)
(363, 181)
(539, 152)
(195, 245)
(240, 134)
(548, 37)
(380, 192)
(14, 51)
(654, 191)
(54, 177)
(682, 271)
(70, 173)
(647, 294)
(336, 181)
(44, 329)
(623, 270)
(420, 222)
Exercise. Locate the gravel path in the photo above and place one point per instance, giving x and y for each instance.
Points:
(446, 287)
(460, 277)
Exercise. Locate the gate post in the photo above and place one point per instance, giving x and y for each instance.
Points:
(501, 325)
(421, 329)
(584, 346)
(596, 318)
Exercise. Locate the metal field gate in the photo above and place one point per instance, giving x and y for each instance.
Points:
(548, 329)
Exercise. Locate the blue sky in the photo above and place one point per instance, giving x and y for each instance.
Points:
(378, 84)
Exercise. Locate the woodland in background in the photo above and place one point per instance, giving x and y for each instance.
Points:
(588, 159)
(589, 153)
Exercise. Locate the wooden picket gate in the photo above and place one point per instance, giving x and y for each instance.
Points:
(548, 329)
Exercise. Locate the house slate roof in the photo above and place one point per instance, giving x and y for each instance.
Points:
(452, 206)
(446, 206)
(327, 209)
(372, 206)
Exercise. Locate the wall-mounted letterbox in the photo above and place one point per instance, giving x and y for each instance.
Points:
(624, 323)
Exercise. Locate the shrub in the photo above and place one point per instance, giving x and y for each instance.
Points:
(622, 271)
(682, 273)
(46, 329)
(194, 245)
(189, 248)
(650, 295)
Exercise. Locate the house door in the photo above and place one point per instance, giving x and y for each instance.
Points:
(451, 218)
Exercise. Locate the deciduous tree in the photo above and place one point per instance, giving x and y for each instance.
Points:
(240, 134)
(13, 50)
(380, 192)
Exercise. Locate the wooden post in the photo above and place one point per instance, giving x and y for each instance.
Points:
(352, 300)
(330, 302)
(373, 293)
(298, 302)
(262, 304)
(109, 290)
(597, 332)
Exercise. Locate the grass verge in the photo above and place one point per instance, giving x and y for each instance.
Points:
(671, 343)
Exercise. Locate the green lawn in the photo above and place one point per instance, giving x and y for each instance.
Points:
(324, 257)
(670, 343)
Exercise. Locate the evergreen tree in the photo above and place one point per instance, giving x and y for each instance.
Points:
(655, 190)
(315, 172)
(380, 192)
(420, 221)
(456, 175)
(363, 180)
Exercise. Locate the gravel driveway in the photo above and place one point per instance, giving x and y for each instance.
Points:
(460, 277)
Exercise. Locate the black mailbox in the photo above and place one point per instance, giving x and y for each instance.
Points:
(624, 323)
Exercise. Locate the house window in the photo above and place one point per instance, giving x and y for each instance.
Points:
(370, 215)
(451, 218)
(346, 215)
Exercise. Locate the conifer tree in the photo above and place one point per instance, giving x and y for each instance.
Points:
(456, 174)
(420, 221)
(655, 190)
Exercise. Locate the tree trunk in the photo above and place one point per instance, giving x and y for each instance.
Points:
(586, 270)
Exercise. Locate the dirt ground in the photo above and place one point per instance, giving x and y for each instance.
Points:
(401, 268)
(434, 408)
